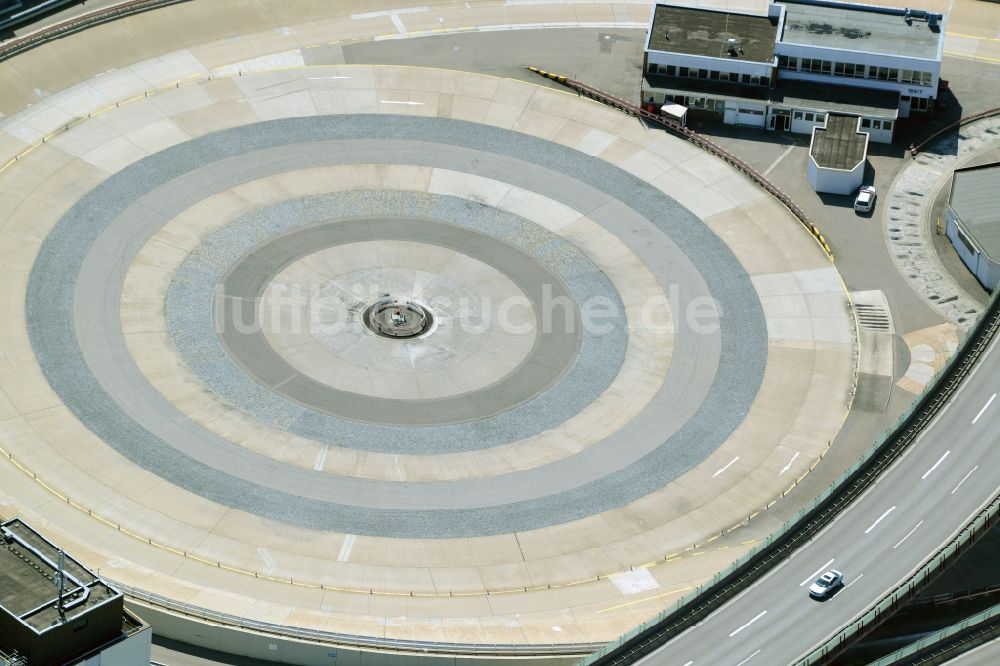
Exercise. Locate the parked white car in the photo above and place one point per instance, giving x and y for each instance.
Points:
(826, 584)
(866, 199)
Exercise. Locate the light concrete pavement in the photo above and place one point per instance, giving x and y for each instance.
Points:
(802, 401)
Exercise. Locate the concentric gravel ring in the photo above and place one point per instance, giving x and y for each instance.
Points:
(741, 361)
(310, 409)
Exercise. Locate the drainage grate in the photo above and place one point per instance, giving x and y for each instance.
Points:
(873, 317)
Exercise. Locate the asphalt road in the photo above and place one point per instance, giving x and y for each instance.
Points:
(917, 506)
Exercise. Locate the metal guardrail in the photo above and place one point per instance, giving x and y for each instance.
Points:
(725, 585)
(80, 23)
(355, 641)
(697, 139)
(917, 149)
(944, 645)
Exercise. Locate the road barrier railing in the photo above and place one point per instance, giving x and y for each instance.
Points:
(899, 597)
(79, 23)
(796, 532)
(697, 139)
(944, 645)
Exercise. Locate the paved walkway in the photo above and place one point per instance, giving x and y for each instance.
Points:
(563, 578)
(909, 226)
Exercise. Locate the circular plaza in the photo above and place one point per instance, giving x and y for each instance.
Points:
(396, 352)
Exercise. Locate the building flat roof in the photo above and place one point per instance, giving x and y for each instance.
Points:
(859, 28)
(839, 145)
(793, 94)
(704, 32)
(845, 99)
(28, 573)
(974, 199)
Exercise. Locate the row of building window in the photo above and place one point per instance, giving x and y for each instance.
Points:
(718, 105)
(710, 74)
(874, 123)
(854, 70)
(706, 103)
(809, 116)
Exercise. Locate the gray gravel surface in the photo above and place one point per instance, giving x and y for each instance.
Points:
(73, 341)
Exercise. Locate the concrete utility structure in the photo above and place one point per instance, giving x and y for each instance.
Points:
(53, 610)
(974, 221)
(804, 59)
(838, 153)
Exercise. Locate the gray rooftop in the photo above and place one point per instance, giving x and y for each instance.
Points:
(859, 28)
(839, 145)
(836, 98)
(704, 32)
(28, 574)
(794, 94)
(974, 200)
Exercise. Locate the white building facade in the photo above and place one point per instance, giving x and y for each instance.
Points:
(877, 63)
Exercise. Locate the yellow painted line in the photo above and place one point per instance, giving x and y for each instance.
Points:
(645, 599)
(961, 34)
(970, 57)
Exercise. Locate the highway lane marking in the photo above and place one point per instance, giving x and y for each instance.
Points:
(748, 658)
(789, 465)
(818, 572)
(860, 576)
(964, 479)
(880, 518)
(985, 407)
(321, 458)
(755, 618)
(908, 534)
(392, 101)
(689, 663)
(935, 466)
(345, 550)
(728, 465)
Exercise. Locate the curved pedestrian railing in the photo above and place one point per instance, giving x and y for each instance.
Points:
(697, 139)
(351, 640)
(917, 149)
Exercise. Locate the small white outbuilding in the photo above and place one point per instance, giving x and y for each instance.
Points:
(838, 153)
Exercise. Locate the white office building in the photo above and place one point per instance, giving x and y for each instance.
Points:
(788, 69)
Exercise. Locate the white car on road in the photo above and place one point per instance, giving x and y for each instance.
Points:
(826, 584)
(866, 199)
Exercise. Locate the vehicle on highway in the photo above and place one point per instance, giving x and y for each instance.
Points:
(826, 584)
(865, 200)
